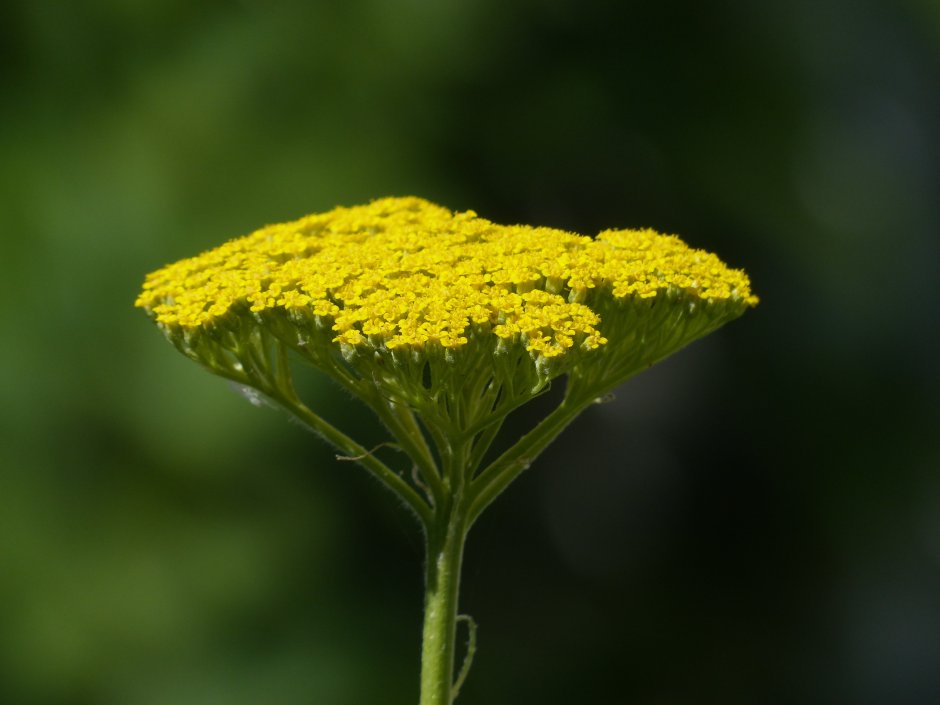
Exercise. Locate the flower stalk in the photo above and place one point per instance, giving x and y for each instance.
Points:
(443, 324)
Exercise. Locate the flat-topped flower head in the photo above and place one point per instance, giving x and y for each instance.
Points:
(401, 282)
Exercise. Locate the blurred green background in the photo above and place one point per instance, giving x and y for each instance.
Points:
(755, 520)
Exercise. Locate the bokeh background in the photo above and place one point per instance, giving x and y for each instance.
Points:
(756, 519)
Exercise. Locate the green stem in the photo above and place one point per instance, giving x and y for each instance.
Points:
(445, 544)
(447, 534)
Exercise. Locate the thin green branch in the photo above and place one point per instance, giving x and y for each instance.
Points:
(442, 439)
(502, 410)
(401, 422)
(340, 440)
(483, 443)
(397, 419)
(507, 467)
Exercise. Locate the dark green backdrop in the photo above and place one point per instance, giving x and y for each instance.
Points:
(755, 520)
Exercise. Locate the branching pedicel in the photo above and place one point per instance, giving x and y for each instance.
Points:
(442, 323)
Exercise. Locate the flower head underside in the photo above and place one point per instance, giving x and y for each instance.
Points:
(402, 289)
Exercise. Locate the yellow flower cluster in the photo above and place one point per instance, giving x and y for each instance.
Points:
(405, 272)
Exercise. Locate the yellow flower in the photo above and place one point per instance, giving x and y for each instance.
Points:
(402, 272)
(447, 314)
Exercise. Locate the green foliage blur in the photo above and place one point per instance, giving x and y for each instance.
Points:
(756, 520)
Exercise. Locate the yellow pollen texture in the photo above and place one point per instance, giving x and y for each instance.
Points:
(403, 272)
